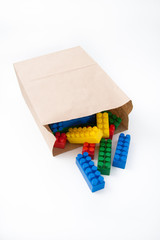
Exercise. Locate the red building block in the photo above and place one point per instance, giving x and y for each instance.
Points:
(61, 139)
(90, 148)
(111, 131)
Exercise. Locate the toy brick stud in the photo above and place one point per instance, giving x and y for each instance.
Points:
(57, 134)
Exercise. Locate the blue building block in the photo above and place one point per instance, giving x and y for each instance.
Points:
(56, 127)
(90, 173)
(121, 152)
(59, 126)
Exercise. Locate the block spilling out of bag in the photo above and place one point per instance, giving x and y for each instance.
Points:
(63, 87)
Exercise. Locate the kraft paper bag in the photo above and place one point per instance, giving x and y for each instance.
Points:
(66, 85)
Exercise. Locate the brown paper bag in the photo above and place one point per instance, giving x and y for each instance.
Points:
(66, 85)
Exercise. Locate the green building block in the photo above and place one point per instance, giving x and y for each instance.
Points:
(104, 157)
(113, 119)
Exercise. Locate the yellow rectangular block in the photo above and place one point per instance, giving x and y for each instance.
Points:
(103, 123)
(82, 135)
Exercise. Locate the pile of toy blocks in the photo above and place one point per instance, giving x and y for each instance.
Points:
(91, 130)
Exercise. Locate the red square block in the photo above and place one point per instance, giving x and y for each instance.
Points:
(90, 148)
(61, 139)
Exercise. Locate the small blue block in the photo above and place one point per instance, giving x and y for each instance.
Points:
(56, 127)
(121, 152)
(90, 173)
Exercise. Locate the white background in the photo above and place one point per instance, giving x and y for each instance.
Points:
(42, 197)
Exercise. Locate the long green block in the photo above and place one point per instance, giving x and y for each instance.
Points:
(104, 157)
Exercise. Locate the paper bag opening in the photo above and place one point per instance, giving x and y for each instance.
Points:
(121, 112)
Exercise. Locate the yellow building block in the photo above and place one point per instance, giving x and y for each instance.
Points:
(103, 123)
(82, 135)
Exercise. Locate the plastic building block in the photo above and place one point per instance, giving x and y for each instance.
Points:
(82, 135)
(121, 152)
(111, 131)
(90, 148)
(61, 139)
(78, 121)
(104, 158)
(89, 171)
(56, 127)
(63, 126)
(113, 119)
(103, 123)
